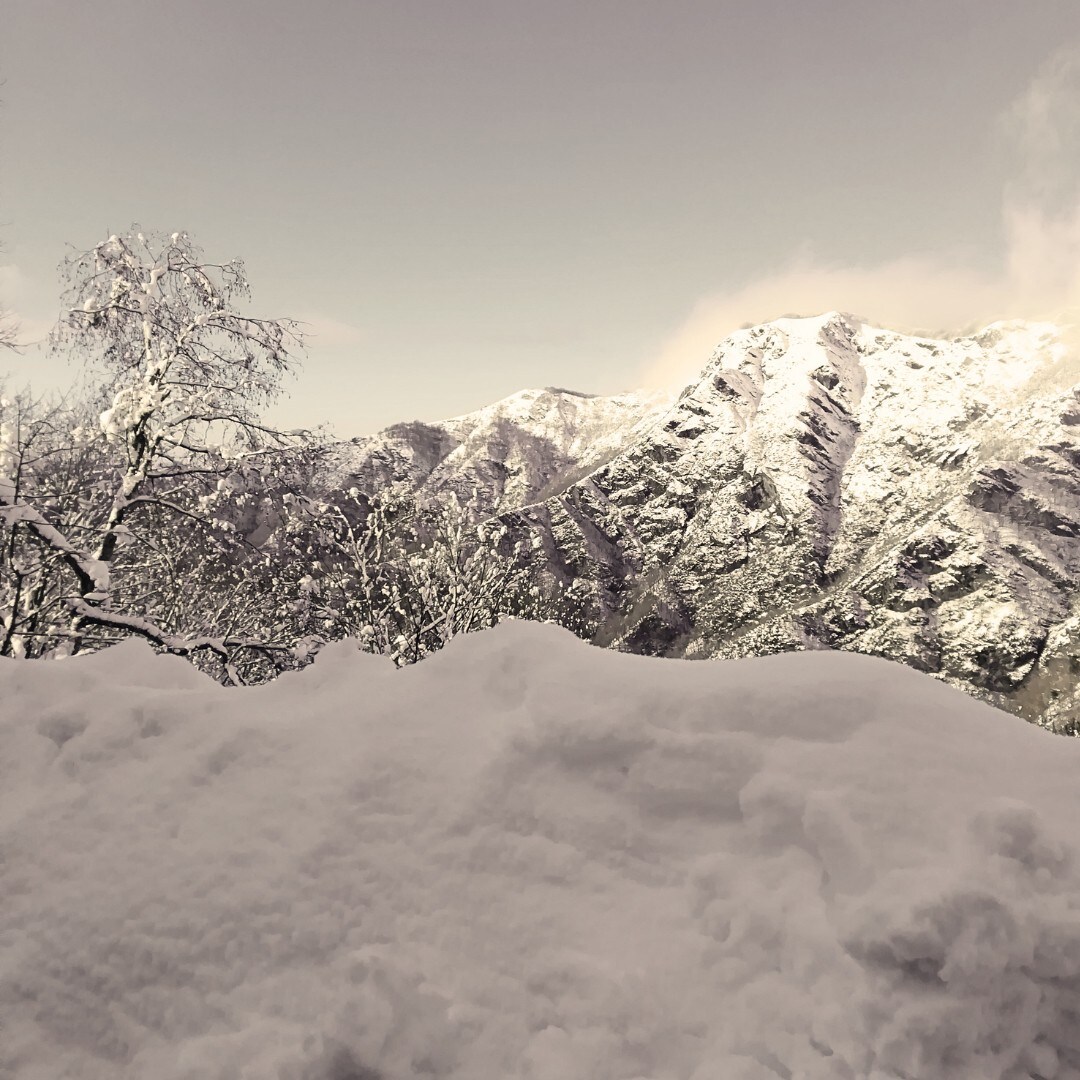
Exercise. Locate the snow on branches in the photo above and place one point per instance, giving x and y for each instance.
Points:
(186, 368)
(186, 371)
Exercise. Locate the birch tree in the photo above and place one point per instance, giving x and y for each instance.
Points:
(183, 374)
(187, 373)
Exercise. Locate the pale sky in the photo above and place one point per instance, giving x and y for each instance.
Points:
(468, 198)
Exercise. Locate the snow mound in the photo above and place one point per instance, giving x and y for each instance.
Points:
(527, 858)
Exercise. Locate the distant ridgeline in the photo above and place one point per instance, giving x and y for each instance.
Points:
(823, 484)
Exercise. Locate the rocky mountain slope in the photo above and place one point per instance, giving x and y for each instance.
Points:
(822, 484)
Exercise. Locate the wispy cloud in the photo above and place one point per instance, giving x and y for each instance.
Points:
(1040, 278)
(323, 330)
(1044, 127)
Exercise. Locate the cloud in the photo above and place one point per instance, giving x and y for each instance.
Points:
(323, 330)
(1043, 125)
(913, 293)
(1039, 279)
(14, 287)
(1042, 203)
(1043, 269)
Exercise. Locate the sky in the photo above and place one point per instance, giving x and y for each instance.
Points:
(466, 199)
(526, 858)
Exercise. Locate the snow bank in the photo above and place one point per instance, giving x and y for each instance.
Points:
(528, 858)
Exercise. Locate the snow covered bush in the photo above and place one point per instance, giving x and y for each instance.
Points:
(404, 576)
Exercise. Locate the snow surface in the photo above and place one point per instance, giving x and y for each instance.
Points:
(529, 858)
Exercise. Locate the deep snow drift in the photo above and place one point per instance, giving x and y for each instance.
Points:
(525, 857)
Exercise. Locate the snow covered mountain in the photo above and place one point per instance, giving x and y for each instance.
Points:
(822, 484)
(520, 450)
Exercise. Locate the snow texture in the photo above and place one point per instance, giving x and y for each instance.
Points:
(529, 858)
